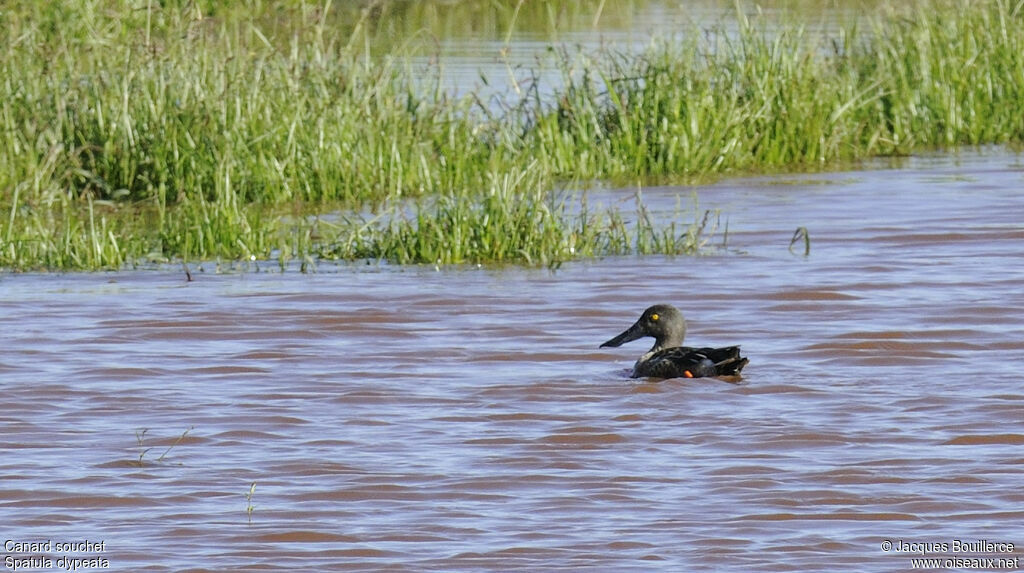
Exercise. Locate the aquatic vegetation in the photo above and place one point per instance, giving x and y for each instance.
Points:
(213, 130)
(140, 435)
(515, 220)
(249, 507)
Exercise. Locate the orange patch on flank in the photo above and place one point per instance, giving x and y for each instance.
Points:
(688, 374)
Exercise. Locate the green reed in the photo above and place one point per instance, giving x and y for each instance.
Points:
(140, 435)
(249, 507)
(514, 220)
(943, 74)
(213, 130)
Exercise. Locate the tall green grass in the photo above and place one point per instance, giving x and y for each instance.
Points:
(148, 131)
(940, 74)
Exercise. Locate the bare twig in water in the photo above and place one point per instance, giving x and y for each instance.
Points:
(801, 234)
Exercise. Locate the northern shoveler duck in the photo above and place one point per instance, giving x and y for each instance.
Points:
(668, 358)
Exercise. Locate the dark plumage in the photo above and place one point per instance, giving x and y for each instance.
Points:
(668, 358)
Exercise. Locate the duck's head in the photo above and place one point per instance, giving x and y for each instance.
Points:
(664, 322)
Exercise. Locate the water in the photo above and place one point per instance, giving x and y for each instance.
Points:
(501, 65)
(408, 419)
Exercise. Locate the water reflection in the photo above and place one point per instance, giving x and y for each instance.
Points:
(501, 50)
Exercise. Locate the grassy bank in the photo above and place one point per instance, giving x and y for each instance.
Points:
(192, 131)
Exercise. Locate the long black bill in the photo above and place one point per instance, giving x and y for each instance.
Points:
(631, 333)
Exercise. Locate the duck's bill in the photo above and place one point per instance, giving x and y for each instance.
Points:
(631, 333)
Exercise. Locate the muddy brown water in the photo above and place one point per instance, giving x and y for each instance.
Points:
(408, 419)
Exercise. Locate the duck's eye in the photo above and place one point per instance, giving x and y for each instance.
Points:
(654, 317)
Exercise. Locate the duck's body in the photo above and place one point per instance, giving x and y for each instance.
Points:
(668, 358)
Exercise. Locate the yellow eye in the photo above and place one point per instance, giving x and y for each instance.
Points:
(654, 317)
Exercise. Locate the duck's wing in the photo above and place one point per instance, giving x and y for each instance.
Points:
(727, 360)
(677, 362)
(690, 362)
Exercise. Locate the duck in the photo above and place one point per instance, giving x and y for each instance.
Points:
(668, 358)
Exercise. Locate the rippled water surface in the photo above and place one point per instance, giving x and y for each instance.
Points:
(409, 419)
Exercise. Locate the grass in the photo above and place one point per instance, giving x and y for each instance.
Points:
(140, 435)
(249, 508)
(942, 74)
(188, 131)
